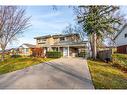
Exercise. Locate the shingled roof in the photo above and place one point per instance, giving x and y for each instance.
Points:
(55, 36)
(29, 45)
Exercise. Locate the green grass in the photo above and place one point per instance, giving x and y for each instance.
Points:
(13, 64)
(104, 76)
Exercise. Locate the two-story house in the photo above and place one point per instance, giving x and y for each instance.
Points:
(121, 40)
(68, 44)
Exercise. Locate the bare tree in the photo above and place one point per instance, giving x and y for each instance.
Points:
(13, 22)
(74, 29)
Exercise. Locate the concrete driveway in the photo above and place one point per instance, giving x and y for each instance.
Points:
(63, 73)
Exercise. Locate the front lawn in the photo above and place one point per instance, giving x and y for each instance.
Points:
(104, 76)
(13, 64)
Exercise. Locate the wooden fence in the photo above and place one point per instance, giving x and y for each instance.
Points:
(104, 54)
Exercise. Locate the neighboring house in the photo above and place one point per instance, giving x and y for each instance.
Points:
(7, 51)
(121, 40)
(68, 44)
(26, 49)
(13, 51)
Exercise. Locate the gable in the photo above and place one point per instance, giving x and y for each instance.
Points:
(24, 46)
(121, 38)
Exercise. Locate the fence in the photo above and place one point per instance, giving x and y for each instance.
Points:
(104, 54)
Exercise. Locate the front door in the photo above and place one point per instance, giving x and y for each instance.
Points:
(65, 51)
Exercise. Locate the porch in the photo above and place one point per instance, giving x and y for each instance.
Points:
(67, 50)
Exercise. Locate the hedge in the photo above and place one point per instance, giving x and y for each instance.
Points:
(53, 54)
(120, 60)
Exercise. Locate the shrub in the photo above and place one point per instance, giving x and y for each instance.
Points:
(15, 56)
(82, 54)
(120, 60)
(53, 54)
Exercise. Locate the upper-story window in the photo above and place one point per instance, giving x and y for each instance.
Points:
(62, 38)
(38, 40)
(126, 35)
(41, 40)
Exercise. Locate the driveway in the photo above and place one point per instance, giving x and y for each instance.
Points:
(63, 73)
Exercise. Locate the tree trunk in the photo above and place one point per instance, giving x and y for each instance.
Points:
(2, 55)
(91, 45)
(94, 46)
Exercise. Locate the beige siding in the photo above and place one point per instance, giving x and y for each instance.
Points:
(56, 40)
(51, 40)
(22, 52)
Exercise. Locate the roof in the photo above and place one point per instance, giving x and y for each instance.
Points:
(55, 36)
(8, 50)
(120, 31)
(13, 49)
(29, 45)
(80, 43)
(107, 47)
(46, 36)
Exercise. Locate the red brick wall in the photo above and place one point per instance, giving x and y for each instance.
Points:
(122, 49)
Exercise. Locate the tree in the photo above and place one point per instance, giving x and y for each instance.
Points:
(72, 29)
(13, 22)
(98, 22)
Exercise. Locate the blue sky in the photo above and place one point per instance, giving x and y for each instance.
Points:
(45, 21)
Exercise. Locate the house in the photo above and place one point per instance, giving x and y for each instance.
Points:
(26, 49)
(13, 51)
(68, 44)
(7, 51)
(121, 40)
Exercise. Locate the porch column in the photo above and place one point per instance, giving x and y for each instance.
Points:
(68, 51)
(50, 48)
(58, 48)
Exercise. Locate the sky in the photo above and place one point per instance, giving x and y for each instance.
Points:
(45, 20)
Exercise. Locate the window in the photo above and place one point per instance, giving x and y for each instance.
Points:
(41, 40)
(27, 49)
(126, 35)
(62, 38)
